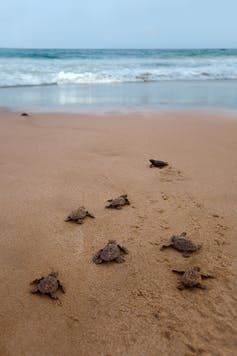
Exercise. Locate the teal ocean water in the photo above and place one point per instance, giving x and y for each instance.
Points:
(19, 67)
(64, 79)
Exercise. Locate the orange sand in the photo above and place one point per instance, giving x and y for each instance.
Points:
(50, 164)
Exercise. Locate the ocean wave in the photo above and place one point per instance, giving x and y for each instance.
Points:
(86, 78)
(67, 78)
(16, 72)
(137, 75)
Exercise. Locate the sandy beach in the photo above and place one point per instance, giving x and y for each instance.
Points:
(51, 164)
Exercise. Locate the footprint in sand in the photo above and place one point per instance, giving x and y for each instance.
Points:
(153, 201)
(167, 197)
(171, 174)
(164, 196)
(164, 225)
(220, 229)
(135, 226)
(220, 242)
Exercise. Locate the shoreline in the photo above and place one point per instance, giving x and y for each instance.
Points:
(50, 164)
(194, 113)
(123, 97)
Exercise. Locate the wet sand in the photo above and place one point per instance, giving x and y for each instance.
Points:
(50, 164)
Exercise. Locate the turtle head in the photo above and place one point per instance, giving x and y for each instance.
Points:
(112, 242)
(174, 238)
(54, 274)
(124, 196)
(196, 269)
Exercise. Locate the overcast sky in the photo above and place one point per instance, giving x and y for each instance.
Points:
(118, 23)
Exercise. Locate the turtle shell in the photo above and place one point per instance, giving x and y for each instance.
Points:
(79, 213)
(118, 202)
(110, 252)
(183, 244)
(48, 285)
(191, 277)
(157, 163)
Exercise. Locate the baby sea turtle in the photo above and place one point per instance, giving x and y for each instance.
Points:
(78, 215)
(182, 244)
(191, 278)
(24, 114)
(48, 285)
(157, 163)
(118, 203)
(111, 252)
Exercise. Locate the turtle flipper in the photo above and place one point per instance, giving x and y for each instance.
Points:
(90, 215)
(80, 221)
(178, 271)
(34, 290)
(166, 246)
(201, 286)
(109, 204)
(67, 218)
(123, 249)
(61, 286)
(36, 281)
(53, 295)
(97, 259)
(119, 259)
(180, 286)
(186, 254)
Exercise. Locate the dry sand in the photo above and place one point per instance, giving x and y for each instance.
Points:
(50, 164)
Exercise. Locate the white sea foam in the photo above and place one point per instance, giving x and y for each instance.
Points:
(84, 78)
(31, 71)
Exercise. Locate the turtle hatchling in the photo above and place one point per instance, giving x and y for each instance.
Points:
(158, 164)
(48, 285)
(111, 252)
(182, 244)
(78, 215)
(118, 203)
(191, 278)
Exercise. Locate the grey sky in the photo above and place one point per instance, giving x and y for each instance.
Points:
(118, 23)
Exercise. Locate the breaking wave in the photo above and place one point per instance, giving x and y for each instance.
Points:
(63, 67)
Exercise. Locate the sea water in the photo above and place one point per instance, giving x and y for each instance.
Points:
(143, 79)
